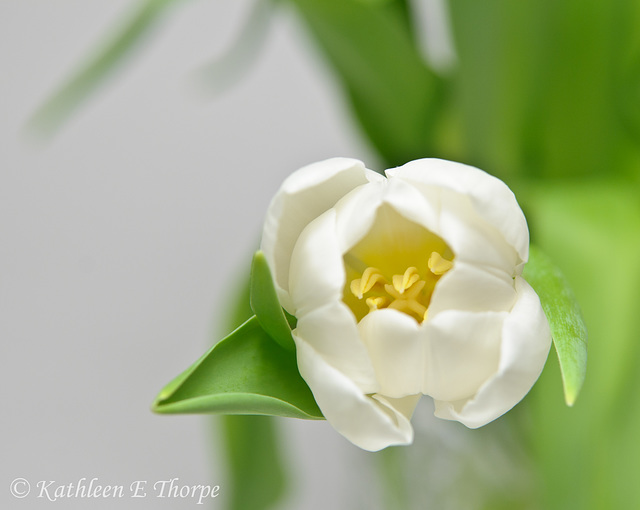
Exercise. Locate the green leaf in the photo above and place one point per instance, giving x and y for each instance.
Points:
(245, 373)
(265, 304)
(395, 96)
(85, 81)
(567, 325)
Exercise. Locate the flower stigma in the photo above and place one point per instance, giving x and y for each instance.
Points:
(396, 265)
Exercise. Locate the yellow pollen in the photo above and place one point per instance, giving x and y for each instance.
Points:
(370, 277)
(402, 282)
(438, 265)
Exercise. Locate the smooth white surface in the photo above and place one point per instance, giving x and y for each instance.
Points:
(121, 237)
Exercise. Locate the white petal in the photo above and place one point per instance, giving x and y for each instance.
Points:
(464, 352)
(333, 334)
(356, 212)
(316, 275)
(370, 422)
(526, 340)
(397, 347)
(473, 288)
(414, 205)
(471, 238)
(489, 196)
(304, 196)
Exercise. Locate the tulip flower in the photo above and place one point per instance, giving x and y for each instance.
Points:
(403, 286)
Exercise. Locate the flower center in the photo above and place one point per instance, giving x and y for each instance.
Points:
(396, 265)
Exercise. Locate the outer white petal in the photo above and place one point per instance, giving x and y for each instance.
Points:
(304, 196)
(397, 346)
(332, 332)
(370, 422)
(317, 273)
(473, 288)
(491, 198)
(471, 238)
(465, 352)
(526, 340)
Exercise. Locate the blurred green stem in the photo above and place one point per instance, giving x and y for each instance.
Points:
(87, 78)
(256, 477)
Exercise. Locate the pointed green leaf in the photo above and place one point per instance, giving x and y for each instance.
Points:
(246, 373)
(565, 319)
(84, 82)
(265, 304)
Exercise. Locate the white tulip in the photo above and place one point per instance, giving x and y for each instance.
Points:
(406, 286)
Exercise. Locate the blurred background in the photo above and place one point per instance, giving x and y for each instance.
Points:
(131, 203)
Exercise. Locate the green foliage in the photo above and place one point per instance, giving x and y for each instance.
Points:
(547, 89)
(588, 456)
(252, 447)
(265, 304)
(567, 325)
(246, 373)
(395, 96)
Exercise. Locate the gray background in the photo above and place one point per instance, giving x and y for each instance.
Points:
(121, 239)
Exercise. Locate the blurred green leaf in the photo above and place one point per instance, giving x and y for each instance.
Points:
(589, 455)
(547, 88)
(55, 111)
(265, 304)
(394, 95)
(246, 373)
(625, 67)
(565, 320)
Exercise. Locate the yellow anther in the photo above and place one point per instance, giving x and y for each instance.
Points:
(402, 282)
(376, 303)
(411, 293)
(414, 291)
(438, 265)
(370, 277)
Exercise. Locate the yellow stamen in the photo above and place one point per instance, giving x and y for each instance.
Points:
(410, 307)
(407, 292)
(370, 277)
(438, 265)
(411, 293)
(402, 282)
(377, 303)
